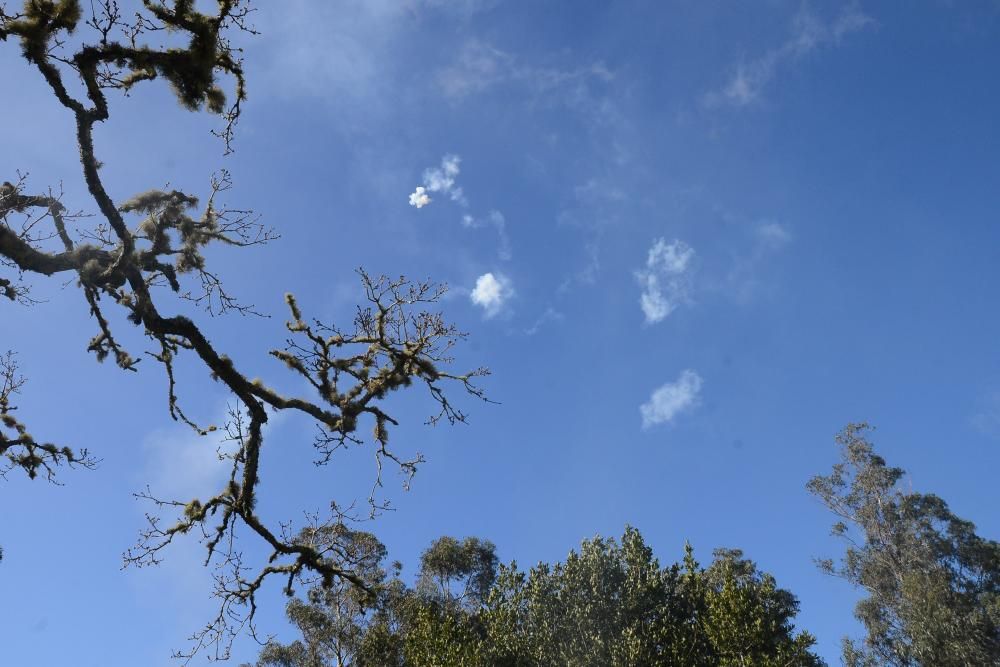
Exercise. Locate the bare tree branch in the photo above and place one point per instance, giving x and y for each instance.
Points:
(156, 239)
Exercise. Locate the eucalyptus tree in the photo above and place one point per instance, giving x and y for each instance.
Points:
(608, 604)
(611, 603)
(89, 54)
(932, 584)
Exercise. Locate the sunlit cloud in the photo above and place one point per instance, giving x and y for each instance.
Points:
(419, 197)
(671, 399)
(491, 292)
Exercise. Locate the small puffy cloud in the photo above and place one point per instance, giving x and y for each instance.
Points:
(419, 197)
(665, 280)
(671, 399)
(491, 293)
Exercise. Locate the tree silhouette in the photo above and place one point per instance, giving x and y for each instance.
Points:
(157, 239)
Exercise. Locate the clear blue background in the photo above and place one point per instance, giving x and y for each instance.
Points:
(864, 133)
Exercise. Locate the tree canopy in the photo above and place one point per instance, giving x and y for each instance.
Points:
(608, 604)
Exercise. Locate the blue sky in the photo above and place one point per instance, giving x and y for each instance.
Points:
(692, 240)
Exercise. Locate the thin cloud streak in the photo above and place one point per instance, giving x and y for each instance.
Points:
(480, 66)
(498, 222)
(809, 33)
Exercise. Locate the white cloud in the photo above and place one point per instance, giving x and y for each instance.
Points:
(419, 197)
(442, 179)
(491, 293)
(665, 280)
(671, 399)
(809, 33)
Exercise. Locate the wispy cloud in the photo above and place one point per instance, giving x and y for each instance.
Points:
(331, 52)
(671, 399)
(496, 220)
(480, 66)
(347, 51)
(744, 281)
(773, 235)
(491, 293)
(597, 207)
(550, 315)
(183, 465)
(665, 280)
(809, 33)
(477, 67)
(986, 418)
(442, 179)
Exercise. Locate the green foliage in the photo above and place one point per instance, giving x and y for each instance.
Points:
(613, 605)
(748, 618)
(609, 604)
(932, 584)
(449, 564)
